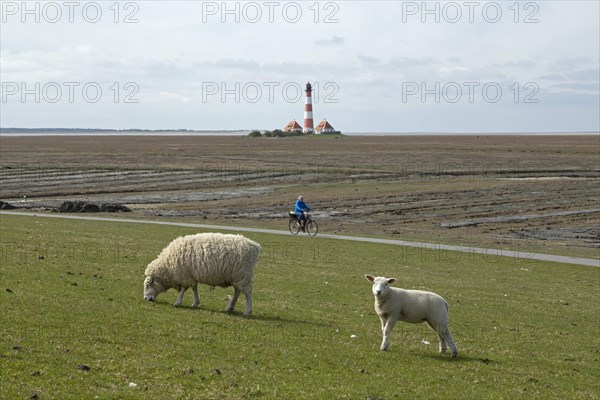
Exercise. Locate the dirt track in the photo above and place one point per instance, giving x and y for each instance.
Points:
(411, 188)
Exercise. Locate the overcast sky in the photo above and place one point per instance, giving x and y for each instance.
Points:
(377, 66)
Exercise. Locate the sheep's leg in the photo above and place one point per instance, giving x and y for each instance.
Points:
(234, 299)
(441, 338)
(196, 298)
(383, 321)
(248, 303)
(448, 338)
(180, 297)
(387, 332)
(443, 344)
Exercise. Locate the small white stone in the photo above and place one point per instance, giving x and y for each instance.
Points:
(353, 336)
(425, 342)
(132, 385)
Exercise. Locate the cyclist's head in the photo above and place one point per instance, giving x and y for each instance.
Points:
(301, 198)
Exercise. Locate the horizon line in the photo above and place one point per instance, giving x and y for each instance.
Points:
(17, 130)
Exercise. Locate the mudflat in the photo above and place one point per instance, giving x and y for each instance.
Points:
(531, 193)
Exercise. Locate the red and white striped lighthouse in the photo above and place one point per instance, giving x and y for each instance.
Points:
(308, 115)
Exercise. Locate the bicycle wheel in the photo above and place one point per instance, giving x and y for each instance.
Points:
(311, 227)
(294, 227)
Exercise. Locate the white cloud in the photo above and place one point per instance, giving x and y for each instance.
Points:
(332, 41)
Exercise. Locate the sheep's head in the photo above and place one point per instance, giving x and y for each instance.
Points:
(381, 285)
(152, 288)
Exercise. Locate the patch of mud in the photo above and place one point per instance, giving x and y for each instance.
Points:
(514, 218)
(186, 196)
(171, 213)
(6, 206)
(590, 235)
(86, 207)
(547, 178)
(59, 182)
(176, 197)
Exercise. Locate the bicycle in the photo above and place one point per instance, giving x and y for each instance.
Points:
(310, 225)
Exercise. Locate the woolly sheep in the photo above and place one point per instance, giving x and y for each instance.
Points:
(213, 259)
(414, 306)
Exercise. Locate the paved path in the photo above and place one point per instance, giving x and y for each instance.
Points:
(520, 255)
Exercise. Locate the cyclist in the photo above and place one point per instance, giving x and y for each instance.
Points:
(299, 210)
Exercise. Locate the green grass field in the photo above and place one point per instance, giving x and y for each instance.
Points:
(71, 296)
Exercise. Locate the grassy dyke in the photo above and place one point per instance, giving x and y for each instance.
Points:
(71, 295)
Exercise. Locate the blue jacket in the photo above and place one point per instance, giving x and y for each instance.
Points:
(301, 206)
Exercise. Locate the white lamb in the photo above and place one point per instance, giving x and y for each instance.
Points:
(213, 259)
(414, 306)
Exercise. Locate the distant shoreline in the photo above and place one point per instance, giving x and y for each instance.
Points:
(115, 132)
(21, 132)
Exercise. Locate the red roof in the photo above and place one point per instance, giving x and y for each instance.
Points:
(292, 126)
(324, 125)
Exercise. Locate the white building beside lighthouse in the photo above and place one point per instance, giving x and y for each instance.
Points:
(325, 127)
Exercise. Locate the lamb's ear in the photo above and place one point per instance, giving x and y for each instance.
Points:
(391, 280)
(370, 278)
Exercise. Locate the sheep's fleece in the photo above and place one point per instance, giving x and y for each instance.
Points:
(394, 304)
(214, 259)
